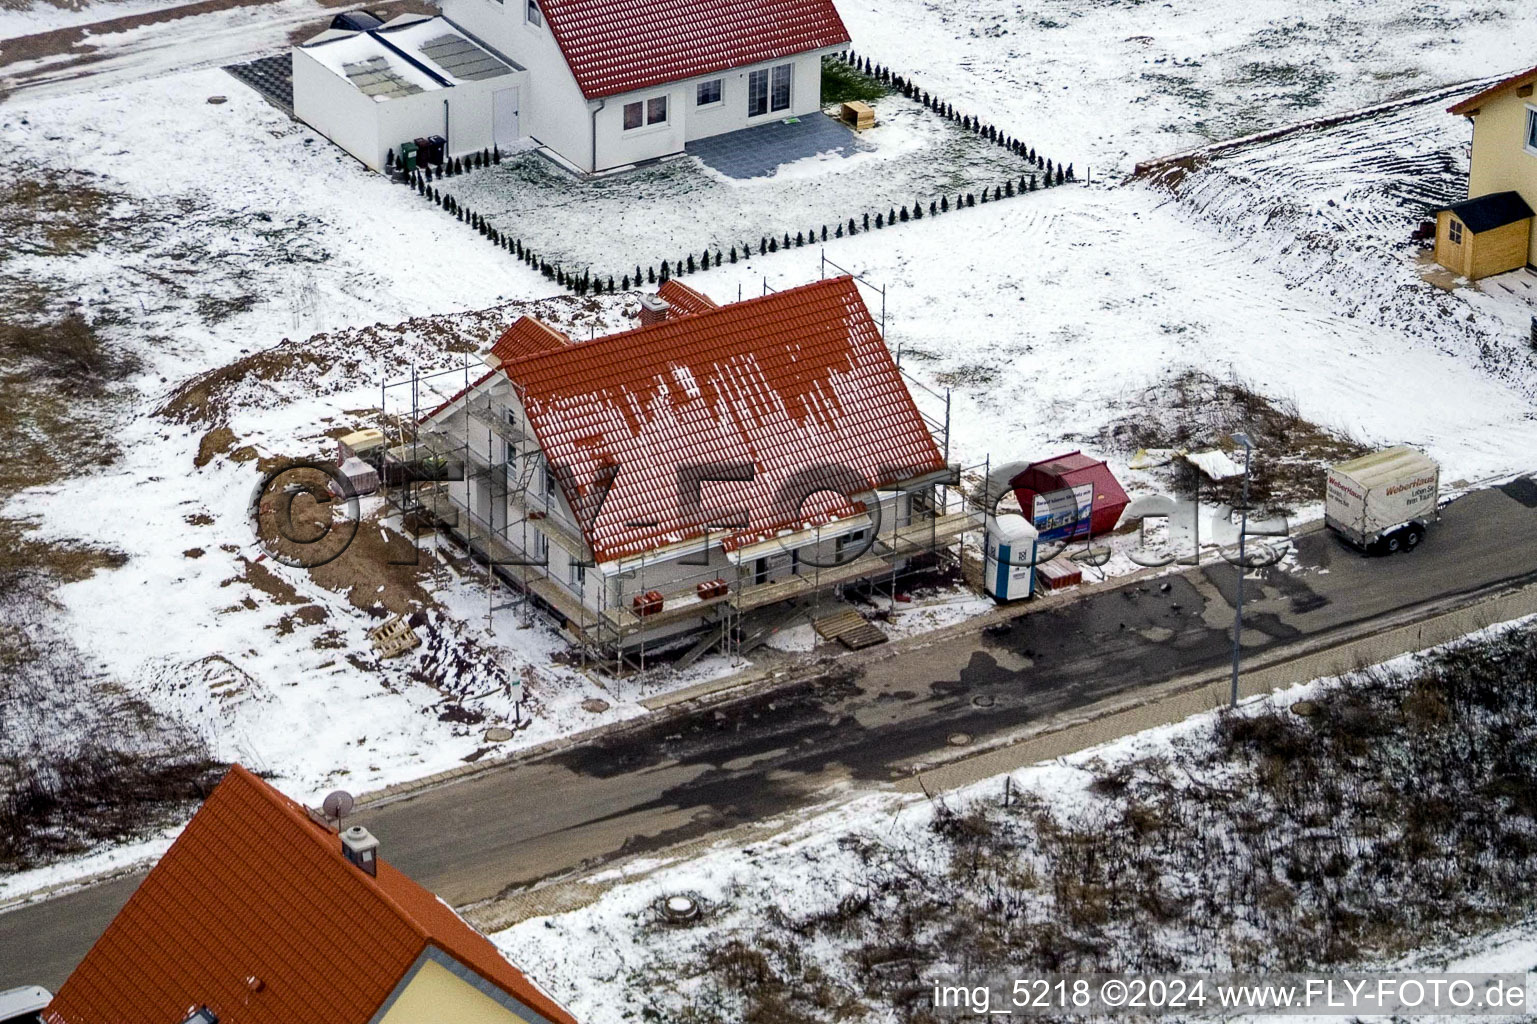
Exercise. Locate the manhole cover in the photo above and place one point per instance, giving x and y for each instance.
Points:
(1305, 709)
(960, 739)
(595, 705)
(498, 734)
(983, 700)
(680, 908)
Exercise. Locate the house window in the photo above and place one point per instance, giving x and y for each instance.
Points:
(757, 93)
(634, 115)
(656, 110)
(853, 540)
(781, 96)
(541, 547)
(709, 92)
(533, 17)
(1531, 130)
(578, 573)
(1454, 232)
(549, 482)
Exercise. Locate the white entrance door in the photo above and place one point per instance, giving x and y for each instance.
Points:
(504, 117)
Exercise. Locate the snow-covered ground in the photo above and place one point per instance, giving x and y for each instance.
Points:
(232, 228)
(1107, 83)
(157, 41)
(681, 208)
(24, 17)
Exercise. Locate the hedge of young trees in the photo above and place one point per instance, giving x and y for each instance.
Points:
(1042, 172)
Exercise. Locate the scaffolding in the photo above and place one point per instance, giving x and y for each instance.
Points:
(505, 512)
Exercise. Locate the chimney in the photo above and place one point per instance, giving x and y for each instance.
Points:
(360, 847)
(653, 310)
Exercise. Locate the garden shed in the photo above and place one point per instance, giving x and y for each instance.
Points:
(1484, 236)
(1070, 496)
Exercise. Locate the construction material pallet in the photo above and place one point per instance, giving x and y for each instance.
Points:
(394, 638)
(850, 629)
(1059, 573)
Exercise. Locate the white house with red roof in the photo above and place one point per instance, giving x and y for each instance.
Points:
(616, 82)
(713, 461)
(262, 912)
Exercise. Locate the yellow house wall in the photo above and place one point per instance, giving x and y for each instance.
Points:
(1501, 162)
(436, 995)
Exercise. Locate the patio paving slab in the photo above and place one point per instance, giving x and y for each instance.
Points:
(759, 151)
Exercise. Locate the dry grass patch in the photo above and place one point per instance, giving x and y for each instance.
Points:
(1263, 842)
(48, 212)
(332, 363)
(1196, 410)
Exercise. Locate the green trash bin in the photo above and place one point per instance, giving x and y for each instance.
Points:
(408, 156)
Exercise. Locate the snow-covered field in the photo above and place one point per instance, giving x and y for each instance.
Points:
(1109, 82)
(228, 228)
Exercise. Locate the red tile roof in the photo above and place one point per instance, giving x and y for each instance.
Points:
(614, 46)
(255, 913)
(1473, 102)
(527, 337)
(786, 383)
(684, 299)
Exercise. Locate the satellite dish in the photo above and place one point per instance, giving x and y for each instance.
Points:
(337, 805)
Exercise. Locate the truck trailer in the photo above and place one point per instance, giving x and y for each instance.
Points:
(1383, 502)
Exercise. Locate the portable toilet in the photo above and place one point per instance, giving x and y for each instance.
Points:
(1009, 571)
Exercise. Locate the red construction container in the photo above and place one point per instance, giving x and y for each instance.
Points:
(1070, 496)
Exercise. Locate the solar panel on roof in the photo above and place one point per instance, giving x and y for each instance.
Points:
(373, 76)
(462, 58)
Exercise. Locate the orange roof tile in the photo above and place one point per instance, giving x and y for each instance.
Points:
(1473, 102)
(525, 337)
(254, 888)
(528, 337)
(614, 46)
(788, 384)
(684, 299)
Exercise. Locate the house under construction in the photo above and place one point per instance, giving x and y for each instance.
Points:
(687, 475)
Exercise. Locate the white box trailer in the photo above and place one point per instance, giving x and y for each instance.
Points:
(1383, 502)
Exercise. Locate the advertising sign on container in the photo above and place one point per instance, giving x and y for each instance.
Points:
(1064, 514)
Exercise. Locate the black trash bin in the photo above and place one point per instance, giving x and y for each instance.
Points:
(434, 151)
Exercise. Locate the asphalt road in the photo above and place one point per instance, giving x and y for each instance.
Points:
(761, 756)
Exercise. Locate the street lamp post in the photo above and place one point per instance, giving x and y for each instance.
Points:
(1243, 529)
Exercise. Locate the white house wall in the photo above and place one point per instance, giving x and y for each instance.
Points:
(688, 121)
(554, 111)
(731, 114)
(368, 129)
(672, 575)
(330, 105)
(617, 147)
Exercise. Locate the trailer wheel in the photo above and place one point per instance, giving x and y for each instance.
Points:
(1393, 543)
(1412, 537)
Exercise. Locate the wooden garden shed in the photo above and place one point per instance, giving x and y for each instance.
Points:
(1484, 236)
